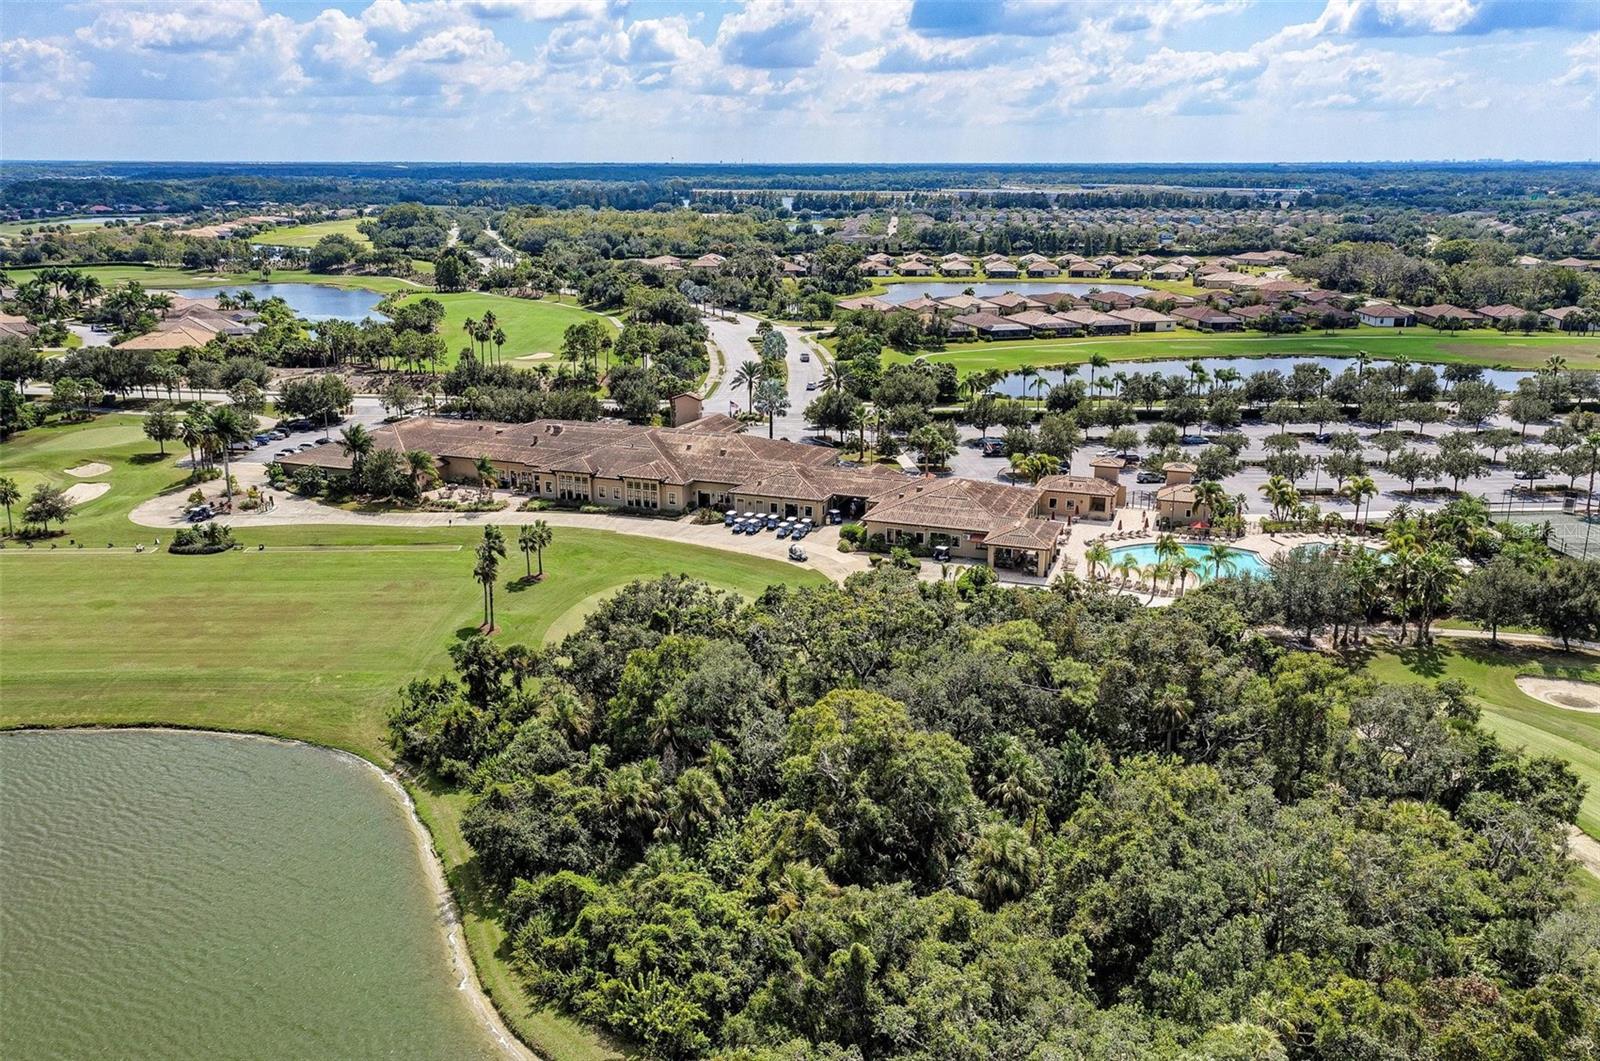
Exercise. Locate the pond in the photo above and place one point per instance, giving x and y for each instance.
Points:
(1505, 379)
(173, 894)
(314, 302)
(1246, 563)
(915, 289)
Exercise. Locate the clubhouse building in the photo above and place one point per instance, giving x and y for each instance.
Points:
(709, 463)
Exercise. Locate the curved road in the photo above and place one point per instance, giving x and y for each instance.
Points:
(731, 337)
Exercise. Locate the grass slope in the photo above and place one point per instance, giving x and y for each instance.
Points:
(531, 326)
(1490, 349)
(1518, 719)
(309, 639)
(308, 235)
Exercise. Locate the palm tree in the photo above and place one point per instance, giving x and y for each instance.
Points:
(9, 495)
(1434, 576)
(487, 476)
(1358, 489)
(1187, 565)
(1096, 361)
(1210, 494)
(227, 426)
(1126, 567)
(1167, 548)
(534, 538)
(485, 571)
(747, 376)
(356, 443)
(1096, 557)
(773, 401)
(499, 338)
(1222, 560)
(1281, 494)
(422, 468)
(1026, 373)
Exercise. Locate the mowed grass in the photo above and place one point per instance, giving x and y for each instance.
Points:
(1487, 348)
(164, 277)
(308, 235)
(1516, 718)
(311, 638)
(531, 326)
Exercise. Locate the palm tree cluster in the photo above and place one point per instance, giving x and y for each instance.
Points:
(1173, 567)
(484, 332)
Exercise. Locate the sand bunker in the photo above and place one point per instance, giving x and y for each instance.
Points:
(1562, 692)
(83, 471)
(543, 355)
(78, 493)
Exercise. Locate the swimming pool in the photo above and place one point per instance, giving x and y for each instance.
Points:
(1246, 563)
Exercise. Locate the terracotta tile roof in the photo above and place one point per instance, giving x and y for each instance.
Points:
(1080, 484)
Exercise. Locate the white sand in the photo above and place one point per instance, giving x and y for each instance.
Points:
(1562, 692)
(543, 355)
(78, 493)
(84, 471)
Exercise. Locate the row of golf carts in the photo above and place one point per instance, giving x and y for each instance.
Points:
(795, 529)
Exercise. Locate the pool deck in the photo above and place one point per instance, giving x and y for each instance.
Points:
(1086, 532)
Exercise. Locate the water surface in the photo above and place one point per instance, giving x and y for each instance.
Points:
(181, 895)
(314, 302)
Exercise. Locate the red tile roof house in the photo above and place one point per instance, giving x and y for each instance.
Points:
(1146, 320)
(1502, 312)
(915, 269)
(1056, 300)
(1252, 314)
(1097, 323)
(994, 326)
(1383, 315)
(665, 262)
(708, 262)
(1571, 319)
(1011, 302)
(1154, 297)
(1106, 301)
(1000, 270)
(1206, 319)
(1443, 314)
(1575, 263)
(1043, 324)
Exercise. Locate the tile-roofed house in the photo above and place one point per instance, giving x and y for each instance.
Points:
(1162, 297)
(1207, 319)
(1442, 313)
(1096, 323)
(1126, 271)
(1570, 319)
(1106, 301)
(1170, 271)
(666, 262)
(1575, 263)
(973, 518)
(1253, 314)
(1527, 261)
(1042, 323)
(923, 304)
(1081, 497)
(1043, 267)
(1000, 270)
(1145, 320)
(992, 325)
(965, 303)
(1011, 302)
(1502, 312)
(708, 262)
(1083, 269)
(21, 327)
(867, 302)
(1383, 315)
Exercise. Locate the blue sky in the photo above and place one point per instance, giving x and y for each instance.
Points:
(783, 80)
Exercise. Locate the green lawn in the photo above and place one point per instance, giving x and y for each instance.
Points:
(308, 235)
(531, 326)
(155, 276)
(1516, 718)
(1487, 348)
(310, 639)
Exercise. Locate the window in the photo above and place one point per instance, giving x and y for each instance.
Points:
(639, 493)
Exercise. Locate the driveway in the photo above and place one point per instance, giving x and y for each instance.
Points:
(732, 338)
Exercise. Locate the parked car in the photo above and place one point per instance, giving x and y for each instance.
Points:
(797, 553)
(805, 355)
(1150, 477)
(811, 384)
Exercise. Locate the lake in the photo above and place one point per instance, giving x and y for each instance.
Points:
(174, 894)
(914, 289)
(314, 302)
(1505, 379)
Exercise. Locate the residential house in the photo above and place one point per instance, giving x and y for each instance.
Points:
(1011, 302)
(1444, 315)
(1097, 323)
(1252, 315)
(669, 263)
(1207, 319)
(1126, 271)
(1145, 320)
(1043, 268)
(708, 263)
(1503, 312)
(965, 303)
(993, 326)
(1571, 319)
(1383, 315)
(865, 302)
(1001, 270)
(1083, 270)
(1046, 325)
(1106, 301)
(1170, 271)
(20, 327)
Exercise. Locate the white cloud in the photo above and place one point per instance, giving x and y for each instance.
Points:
(192, 25)
(37, 71)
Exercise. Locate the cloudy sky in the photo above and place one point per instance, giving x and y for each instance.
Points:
(800, 80)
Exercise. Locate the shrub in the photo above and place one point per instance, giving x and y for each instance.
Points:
(854, 533)
(310, 482)
(199, 541)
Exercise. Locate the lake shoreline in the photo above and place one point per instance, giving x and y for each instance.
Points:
(464, 971)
